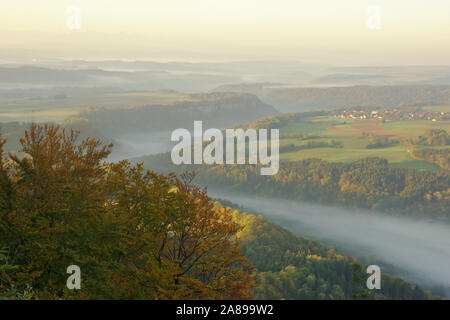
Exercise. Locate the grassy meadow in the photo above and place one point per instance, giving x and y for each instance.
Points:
(354, 135)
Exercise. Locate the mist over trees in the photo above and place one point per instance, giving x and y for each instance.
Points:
(291, 267)
(370, 183)
(298, 99)
(216, 110)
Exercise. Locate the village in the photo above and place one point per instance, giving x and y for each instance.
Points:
(391, 114)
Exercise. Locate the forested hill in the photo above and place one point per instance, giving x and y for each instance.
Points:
(369, 183)
(217, 110)
(291, 267)
(295, 99)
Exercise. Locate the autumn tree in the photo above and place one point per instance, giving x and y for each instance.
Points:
(135, 234)
(178, 237)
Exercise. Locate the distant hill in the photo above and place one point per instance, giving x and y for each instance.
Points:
(34, 76)
(299, 98)
(218, 110)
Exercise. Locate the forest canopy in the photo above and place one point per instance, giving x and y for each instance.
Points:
(134, 234)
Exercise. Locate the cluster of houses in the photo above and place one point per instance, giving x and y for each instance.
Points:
(392, 114)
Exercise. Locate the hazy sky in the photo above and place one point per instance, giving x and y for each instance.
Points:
(329, 31)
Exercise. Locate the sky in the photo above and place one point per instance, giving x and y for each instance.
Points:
(410, 32)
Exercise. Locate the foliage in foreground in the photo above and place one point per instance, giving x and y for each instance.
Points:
(133, 233)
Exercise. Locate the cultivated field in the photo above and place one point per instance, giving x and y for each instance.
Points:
(45, 109)
(353, 136)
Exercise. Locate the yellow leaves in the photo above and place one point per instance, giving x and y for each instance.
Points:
(314, 257)
(290, 269)
(186, 236)
(143, 235)
(438, 195)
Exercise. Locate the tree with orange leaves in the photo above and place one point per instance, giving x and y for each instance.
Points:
(135, 234)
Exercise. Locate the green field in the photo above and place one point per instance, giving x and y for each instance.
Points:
(445, 108)
(45, 109)
(414, 128)
(349, 133)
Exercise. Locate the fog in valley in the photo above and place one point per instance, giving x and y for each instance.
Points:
(137, 145)
(417, 250)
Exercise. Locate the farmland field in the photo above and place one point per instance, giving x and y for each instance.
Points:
(43, 109)
(353, 136)
(414, 128)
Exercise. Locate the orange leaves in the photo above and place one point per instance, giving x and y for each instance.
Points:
(135, 234)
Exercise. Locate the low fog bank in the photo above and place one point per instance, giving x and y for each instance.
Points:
(138, 145)
(418, 250)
